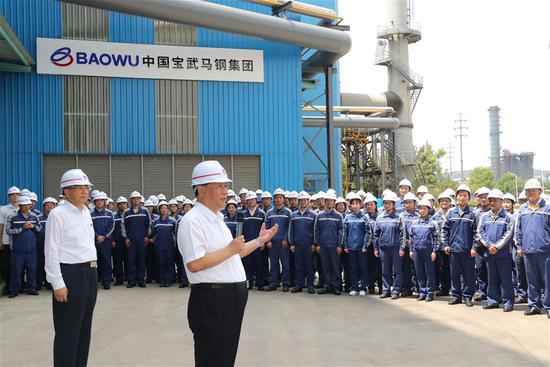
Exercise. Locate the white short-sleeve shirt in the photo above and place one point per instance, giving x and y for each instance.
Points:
(201, 231)
(6, 212)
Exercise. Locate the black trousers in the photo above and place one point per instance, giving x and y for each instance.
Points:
(215, 316)
(5, 264)
(72, 320)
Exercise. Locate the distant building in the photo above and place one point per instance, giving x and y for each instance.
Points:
(519, 163)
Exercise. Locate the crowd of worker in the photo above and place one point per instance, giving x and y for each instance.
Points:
(498, 252)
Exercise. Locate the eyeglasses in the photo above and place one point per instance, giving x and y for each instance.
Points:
(79, 187)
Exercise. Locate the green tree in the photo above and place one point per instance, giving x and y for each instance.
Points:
(428, 169)
(442, 185)
(480, 176)
(507, 183)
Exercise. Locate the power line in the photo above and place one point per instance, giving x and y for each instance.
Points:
(461, 135)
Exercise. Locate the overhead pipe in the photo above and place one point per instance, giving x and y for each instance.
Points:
(353, 122)
(302, 8)
(352, 110)
(331, 44)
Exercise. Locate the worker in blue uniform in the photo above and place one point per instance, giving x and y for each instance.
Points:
(407, 216)
(405, 186)
(481, 263)
(300, 237)
(458, 238)
(374, 267)
(495, 231)
(533, 239)
(135, 231)
(23, 228)
(423, 244)
(230, 217)
(254, 263)
(442, 262)
(163, 230)
(519, 277)
(388, 245)
(118, 249)
(356, 233)
(104, 225)
(328, 237)
(47, 205)
(181, 274)
(278, 248)
(342, 208)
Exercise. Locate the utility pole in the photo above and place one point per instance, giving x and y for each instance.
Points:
(450, 152)
(461, 128)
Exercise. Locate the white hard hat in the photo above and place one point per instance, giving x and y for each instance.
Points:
(259, 192)
(74, 177)
(33, 196)
(510, 197)
(188, 201)
(49, 199)
(341, 200)
(483, 191)
(231, 201)
(425, 202)
(522, 196)
(349, 194)
(321, 195)
(179, 198)
(278, 191)
(387, 191)
(410, 196)
(369, 197)
(238, 200)
(251, 195)
(121, 199)
(304, 195)
(421, 189)
(25, 192)
(161, 197)
(429, 196)
(231, 193)
(161, 203)
(109, 200)
(329, 195)
(172, 202)
(293, 195)
(266, 194)
(496, 194)
(100, 196)
(532, 183)
(361, 193)
(154, 199)
(405, 182)
(94, 193)
(209, 172)
(135, 194)
(148, 203)
(353, 196)
(390, 196)
(24, 200)
(313, 197)
(450, 192)
(444, 195)
(287, 193)
(14, 190)
(464, 187)
(243, 191)
(333, 191)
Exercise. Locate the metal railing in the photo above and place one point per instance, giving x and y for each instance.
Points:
(392, 27)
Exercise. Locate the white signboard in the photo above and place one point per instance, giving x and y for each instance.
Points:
(129, 60)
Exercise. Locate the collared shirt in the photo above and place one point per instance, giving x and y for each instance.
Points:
(202, 231)
(6, 212)
(69, 240)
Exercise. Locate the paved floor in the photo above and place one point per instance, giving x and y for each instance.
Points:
(148, 327)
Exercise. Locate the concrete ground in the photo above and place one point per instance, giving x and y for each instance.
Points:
(148, 327)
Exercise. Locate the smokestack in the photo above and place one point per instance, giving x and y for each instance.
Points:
(494, 136)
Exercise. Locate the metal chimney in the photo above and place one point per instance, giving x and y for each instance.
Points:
(494, 135)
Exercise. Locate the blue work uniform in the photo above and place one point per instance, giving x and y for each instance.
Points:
(23, 252)
(533, 236)
(520, 276)
(254, 263)
(423, 241)
(40, 258)
(104, 225)
(442, 262)
(388, 241)
(356, 234)
(374, 266)
(300, 235)
(119, 251)
(136, 228)
(459, 233)
(496, 229)
(231, 223)
(163, 231)
(329, 235)
(181, 274)
(481, 263)
(407, 272)
(278, 253)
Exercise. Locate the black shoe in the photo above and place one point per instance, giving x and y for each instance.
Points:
(509, 308)
(162, 285)
(371, 290)
(149, 281)
(385, 295)
(395, 296)
(429, 298)
(455, 301)
(285, 288)
(106, 287)
(249, 287)
(261, 289)
(469, 303)
(12, 295)
(347, 289)
(479, 297)
(319, 286)
(311, 290)
(406, 294)
(521, 300)
(336, 292)
(324, 291)
(130, 285)
(442, 293)
(421, 298)
(33, 293)
(490, 306)
(119, 282)
(141, 285)
(271, 288)
(295, 290)
(531, 311)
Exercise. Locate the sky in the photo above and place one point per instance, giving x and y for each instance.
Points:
(472, 55)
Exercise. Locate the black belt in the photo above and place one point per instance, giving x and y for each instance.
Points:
(237, 285)
(87, 264)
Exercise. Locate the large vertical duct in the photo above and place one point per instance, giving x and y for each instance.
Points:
(494, 136)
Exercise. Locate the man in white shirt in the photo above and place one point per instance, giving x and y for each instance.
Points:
(6, 212)
(71, 268)
(213, 265)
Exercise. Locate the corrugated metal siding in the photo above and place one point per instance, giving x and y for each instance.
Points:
(126, 177)
(85, 23)
(158, 175)
(256, 118)
(97, 168)
(133, 128)
(246, 171)
(54, 167)
(182, 175)
(31, 111)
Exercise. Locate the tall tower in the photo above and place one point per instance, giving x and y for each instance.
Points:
(394, 38)
(494, 136)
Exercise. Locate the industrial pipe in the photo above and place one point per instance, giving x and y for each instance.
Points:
(331, 44)
(353, 122)
(352, 110)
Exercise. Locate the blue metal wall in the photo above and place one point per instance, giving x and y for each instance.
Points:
(256, 118)
(31, 109)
